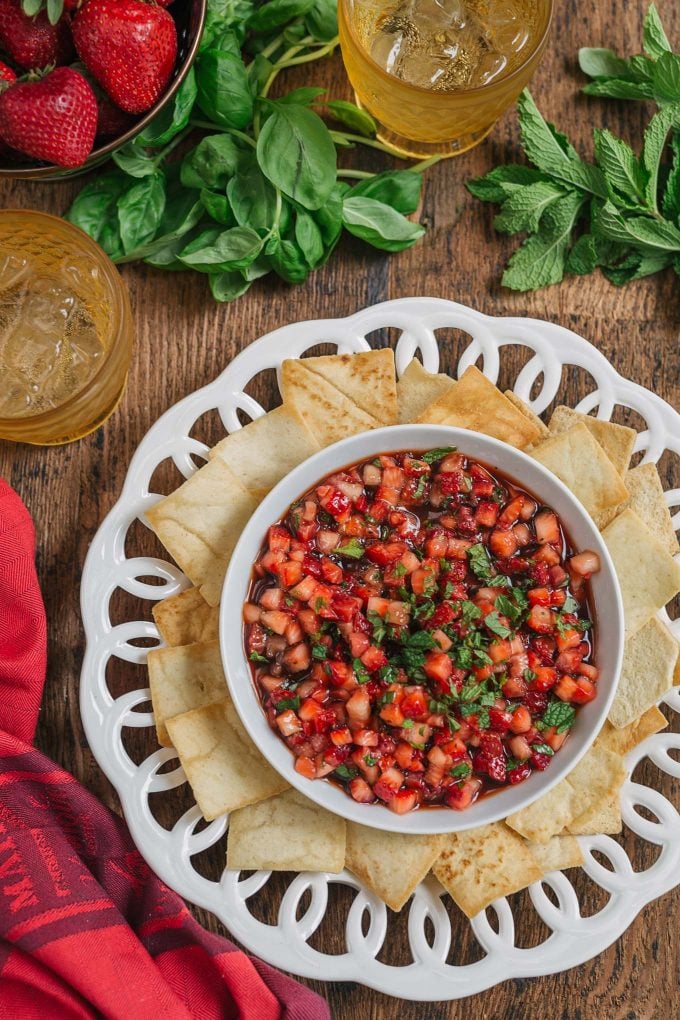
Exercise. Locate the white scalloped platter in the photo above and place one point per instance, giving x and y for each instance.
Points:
(433, 952)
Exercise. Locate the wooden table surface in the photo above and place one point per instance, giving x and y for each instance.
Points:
(183, 340)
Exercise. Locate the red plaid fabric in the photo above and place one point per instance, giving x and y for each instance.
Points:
(86, 929)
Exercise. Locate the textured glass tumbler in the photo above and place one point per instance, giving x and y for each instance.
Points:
(421, 122)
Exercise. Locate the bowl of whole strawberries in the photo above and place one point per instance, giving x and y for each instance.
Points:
(80, 78)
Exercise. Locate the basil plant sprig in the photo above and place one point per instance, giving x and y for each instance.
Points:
(260, 191)
(620, 213)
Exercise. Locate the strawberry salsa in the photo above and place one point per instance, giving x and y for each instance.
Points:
(418, 630)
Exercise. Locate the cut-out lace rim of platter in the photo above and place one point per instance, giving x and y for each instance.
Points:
(573, 939)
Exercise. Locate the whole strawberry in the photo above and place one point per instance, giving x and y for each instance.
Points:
(54, 118)
(6, 75)
(130, 47)
(31, 41)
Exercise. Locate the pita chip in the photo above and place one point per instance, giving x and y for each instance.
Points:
(478, 866)
(224, 768)
(649, 658)
(647, 500)
(579, 461)
(602, 818)
(327, 413)
(184, 678)
(558, 854)
(266, 449)
(417, 389)
(286, 833)
(200, 523)
(186, 619)
(624, 740)
(528, 413)
(391, 864)
(617, 441)
(475, 403)
(368, 379)
(648, 575)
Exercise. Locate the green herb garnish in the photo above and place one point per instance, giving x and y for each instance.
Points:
(560, 715)
(353, 549)
(438, 454)
(256, 657)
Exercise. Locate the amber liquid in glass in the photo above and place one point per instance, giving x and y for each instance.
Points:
(437, 74)
(65, 330)
(448, 45)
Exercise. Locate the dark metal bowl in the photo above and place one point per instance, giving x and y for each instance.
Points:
(189, 17)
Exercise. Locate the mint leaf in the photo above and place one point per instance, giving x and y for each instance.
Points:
(608, 223)
(522, 210)
(353, 549)
(654, 233)
(541, 259)
(653, 146)
(492, 621)
(550, 151)
(636, 265)
(432, 456)
(654, 39)
(670, 202)
(583, 257)
(618, 88)
(666, 78)
(624, 176)
(598, 63)
(503, 181)
(560, 715)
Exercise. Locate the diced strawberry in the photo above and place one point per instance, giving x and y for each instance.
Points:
(518, 774)
(403, 801)
(423, 580)
(511, 512)
(276, 621)
(358, 643)
(499, 720)
(545, 679)
(568, 638)
(540, 761)
(514, 687)
(361, 791)
(290, 573)
(585, 691)
(330, 571)
(298, 658)
(486, 513)
(257, 638)
(374, 658)
(540, 619)
(539, 572)
(438, 667)
(585, 563)
(460, 797)
(565, 688)
(392, 714)
(519, 748)
(288, 723)
(306, 767)
(591, 672)
(251, 613)
(503, 543)
(304, 590)
(442, 639)
(309, 621)
(341, 735)
(278, 539)
(414, 704)
(547, 527)
(383, 553)
(436, 543)
(520, 720)
(366, 738)
(536, 701)
(345, 606)
(294, 633)
(388, 784)
(359, 707)
(451, 482)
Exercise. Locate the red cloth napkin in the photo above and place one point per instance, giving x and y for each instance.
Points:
(86, 929)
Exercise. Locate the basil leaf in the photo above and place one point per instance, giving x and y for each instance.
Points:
(287, 260)
(172, 118)
(223, 89)
(398, 188)
(308, 238)
(278, 12)
(211, 164)
(251, 196)
(228, 286)
(329, 217)
(321, 20)
(140, 211)
(229, 249)
(352, 117)
(94, 210)
(222, 16)
(303, 96)
(379, 224)
(133, 160)
(296, 153)
(217, 207)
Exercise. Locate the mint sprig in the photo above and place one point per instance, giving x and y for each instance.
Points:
(620, 213)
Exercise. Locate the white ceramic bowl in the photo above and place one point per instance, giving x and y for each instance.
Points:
(527, 473)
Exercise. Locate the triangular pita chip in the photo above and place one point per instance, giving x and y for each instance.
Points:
(598, 775)
(649, 658)
(624, 740)
(223, 766)
(558, 854)
(200, 523)
(417, 389)
(601, 818)
(186, 619)
(184, 678)
(368, 379)
(478, 866)
(579, 461)
(617, 441)
(648, 576)
(647, 500)
(326, 412)
(391, 864)
(475, 403)
(286, 833)
(528, 413)
(266, 449)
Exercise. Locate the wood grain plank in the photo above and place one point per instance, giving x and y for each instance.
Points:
(183, 340)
